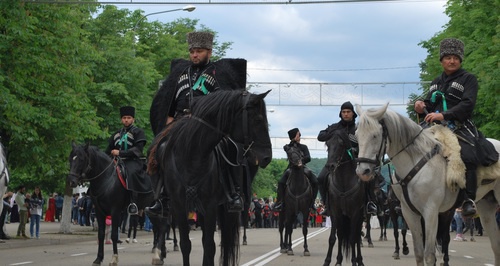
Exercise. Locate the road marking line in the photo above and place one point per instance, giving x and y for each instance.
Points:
(262, 260)
(22, 263)
(78, 254)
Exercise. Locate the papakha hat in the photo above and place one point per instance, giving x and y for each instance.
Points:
(292, 133)
(200, 39)
(127, 110)
(451, 46)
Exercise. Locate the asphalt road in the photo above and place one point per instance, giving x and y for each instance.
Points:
(262, 249)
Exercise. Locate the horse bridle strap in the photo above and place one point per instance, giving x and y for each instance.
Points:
(413, 172)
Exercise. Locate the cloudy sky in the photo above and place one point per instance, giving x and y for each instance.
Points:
(350, 43)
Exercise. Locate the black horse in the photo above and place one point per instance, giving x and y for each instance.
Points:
(373, 187)
(298, 199)
(204, 152)
(346, 197)
(396, 214)
(107, 190)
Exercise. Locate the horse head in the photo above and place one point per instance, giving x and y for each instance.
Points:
(372, 137)
(250, 128)
(294, 156)
(79, 164)
(339, 150)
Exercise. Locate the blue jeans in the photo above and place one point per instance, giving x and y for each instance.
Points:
(35, 221)
(459, 221)
(147, 224)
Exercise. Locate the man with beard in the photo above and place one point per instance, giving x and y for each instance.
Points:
(188, 80)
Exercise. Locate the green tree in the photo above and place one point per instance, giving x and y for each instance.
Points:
(476, 23)
(44, 81)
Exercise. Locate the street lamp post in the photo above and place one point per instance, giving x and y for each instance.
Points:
(186, 8)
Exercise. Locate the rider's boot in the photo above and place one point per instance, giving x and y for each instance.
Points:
(160, 207)
(468, 206)
(279, 198)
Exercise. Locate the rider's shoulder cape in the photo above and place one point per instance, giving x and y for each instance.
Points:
(230, 74)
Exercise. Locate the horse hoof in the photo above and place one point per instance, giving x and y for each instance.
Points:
(370, 245)
(244, 243)
(385, 238)
(176, 248)
(282, 250)
(157, 262)
(396, 256)
(96, 263)
(307, 253)
(289, 252)
(406, 251)
(381, 239)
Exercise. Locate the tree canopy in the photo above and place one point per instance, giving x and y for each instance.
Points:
(477, 24)
(64, 72)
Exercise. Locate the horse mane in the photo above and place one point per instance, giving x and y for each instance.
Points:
(223, 103)
(402, 131)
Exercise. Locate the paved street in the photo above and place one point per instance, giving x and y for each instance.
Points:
(80, 248)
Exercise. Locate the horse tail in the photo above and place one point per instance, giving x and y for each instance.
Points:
(229, 223)
(346, 237)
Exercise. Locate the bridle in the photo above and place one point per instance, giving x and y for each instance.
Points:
(340, 161)
(82, 176)
(242, 148)
(411, 174)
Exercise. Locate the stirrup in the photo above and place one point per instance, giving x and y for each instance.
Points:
(471, 211)
(132, 209)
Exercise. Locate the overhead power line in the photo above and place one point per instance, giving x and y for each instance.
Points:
(219, 2)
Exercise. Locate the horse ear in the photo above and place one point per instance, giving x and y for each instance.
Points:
(263, 95)
(73, 144)
(379, 113)
(87, 145)
(359, 109)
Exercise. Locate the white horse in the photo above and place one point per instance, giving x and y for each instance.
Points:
(423, 189)
(4, 176)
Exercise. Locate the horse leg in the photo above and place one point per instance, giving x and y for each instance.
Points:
(244, 220)
(184, 242)
(114, 238)
(368, 235)
(340, 257)
(101, 232)
(280, 229)
(208, 226)
(430, 226)
(406, 250)
(443, 234)
(395, 225)
(176, 247)
(304, 233)
(288, 236)
(486, 207)
(331, 244)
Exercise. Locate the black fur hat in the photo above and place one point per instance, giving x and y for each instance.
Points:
(292, 133)
(127, 110)
(451, 47)
(347, 105)
(200, 39)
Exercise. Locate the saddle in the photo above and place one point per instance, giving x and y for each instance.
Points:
(455, 169)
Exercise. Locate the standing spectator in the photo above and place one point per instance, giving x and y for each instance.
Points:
(59, 205)
(3, 215)
(81, 209)
(88, 209)
(478, 225)
(147, 224)
(14, 212)
(74, 208)
(36, 204)
(258, 213)
(460, 225)
(23, 211)
(51, 209)
(132, 227)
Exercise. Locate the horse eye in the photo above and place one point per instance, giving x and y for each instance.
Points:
(74, 157)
